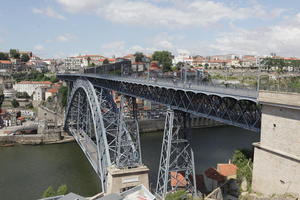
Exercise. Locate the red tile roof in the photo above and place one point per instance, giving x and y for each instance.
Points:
(214, 174)
(227, 169)
(52, 90)
(35, 82)
(178, 179)
(5, 62)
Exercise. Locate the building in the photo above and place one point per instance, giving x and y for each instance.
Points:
(50, 93)
(30, 86)
(39, 94)
(5, 66)
(9, 93)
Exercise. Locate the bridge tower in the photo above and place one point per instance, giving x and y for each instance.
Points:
(176, 170)
(128, 170)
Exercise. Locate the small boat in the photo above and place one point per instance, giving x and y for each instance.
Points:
(6, 145)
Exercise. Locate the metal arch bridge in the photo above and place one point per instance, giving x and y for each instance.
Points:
(108, 137)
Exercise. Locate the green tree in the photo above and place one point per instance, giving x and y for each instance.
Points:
(15, 103)
(62, 190)
(3, 56)
(49, 192)
(105, 61)
(242, 159)
(25, 58)
(14, 53)
(179, 65)
(178, 195)
(63, 94)
(164, 58)
(88, 60)
(139, 57)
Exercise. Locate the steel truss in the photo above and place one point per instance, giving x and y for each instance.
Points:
(128, 142)
(176, 159)
(240, 111)
(101, 129)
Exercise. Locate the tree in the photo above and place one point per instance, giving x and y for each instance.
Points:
(3, 56)
(139, 57)
(105, 61)
(49, 192)
(164, 58)
(25, 58)
(14, 53)
(15, 103)
(63, 94)
(62, 190)
(88, 60)
(179, 65)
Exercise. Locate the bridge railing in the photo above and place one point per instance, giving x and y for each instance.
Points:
(236, 90)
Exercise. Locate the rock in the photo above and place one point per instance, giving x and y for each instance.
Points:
(244, 185)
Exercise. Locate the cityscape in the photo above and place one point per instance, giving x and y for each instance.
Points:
(205, 104)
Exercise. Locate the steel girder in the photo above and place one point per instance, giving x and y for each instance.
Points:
(85, 122)
(128, 141)
(240, 112)
(176, 169)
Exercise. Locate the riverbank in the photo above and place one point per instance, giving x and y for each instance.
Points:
(54, 137)
(34, 139)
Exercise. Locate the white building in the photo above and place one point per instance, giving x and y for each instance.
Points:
(39, 94)
(30, 86)
(9, 93)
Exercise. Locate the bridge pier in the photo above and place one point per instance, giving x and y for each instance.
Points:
(176, 169)
(276, 168)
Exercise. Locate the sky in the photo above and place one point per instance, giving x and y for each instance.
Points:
(62, 28)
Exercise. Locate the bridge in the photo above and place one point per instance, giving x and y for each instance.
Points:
(110, 139)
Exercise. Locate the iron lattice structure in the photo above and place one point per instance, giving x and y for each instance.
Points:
(100, 128)
(176, 169)
(128, 142)
(232, 109)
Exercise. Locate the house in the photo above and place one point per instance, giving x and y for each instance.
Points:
(50, 92)
(30, 86)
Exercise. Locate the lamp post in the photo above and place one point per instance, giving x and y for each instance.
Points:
(258, 75)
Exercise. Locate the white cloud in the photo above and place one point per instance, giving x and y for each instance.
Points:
(39, 47)
(65, 37)
(176, 14)
(116, 48)
(282, 39)
(48, 12)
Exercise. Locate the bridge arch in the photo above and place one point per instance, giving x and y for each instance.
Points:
(88, 111)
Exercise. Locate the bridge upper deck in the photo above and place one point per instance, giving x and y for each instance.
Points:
(208, 89)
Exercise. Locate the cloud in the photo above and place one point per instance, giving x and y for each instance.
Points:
(39, 47)
(176, 14)
(282, 39)
(48, 12)
(65, 37)
(116, 48)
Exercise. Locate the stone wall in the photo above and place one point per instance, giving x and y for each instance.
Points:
(276, 167)
(153, 125)
(30, 139)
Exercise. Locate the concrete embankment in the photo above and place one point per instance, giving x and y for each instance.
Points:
(152, 125)
(34, 139)
(145, 126)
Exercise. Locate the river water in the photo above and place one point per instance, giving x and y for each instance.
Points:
(26, 171)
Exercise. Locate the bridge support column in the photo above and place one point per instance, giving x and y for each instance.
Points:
(128, 170)
(176, 169)
(276, 167)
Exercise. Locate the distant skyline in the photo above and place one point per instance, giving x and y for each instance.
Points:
(61, 28)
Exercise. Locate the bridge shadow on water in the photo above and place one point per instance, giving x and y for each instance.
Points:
(211, 146)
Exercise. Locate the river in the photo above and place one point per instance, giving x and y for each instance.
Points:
(26, 171)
